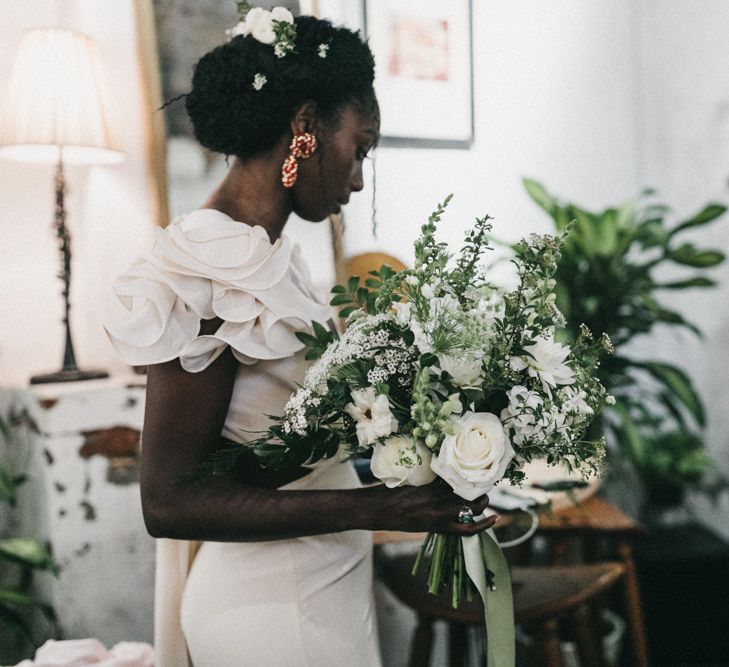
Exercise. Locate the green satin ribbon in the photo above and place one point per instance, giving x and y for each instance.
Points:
(482, 551)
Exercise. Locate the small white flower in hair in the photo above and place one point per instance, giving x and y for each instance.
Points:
(323, 48)
(280, 49)
(259, 80)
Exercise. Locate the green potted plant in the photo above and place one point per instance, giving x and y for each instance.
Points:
(607, 279)
(25, 620)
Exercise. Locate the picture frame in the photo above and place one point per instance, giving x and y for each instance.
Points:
(424, 70)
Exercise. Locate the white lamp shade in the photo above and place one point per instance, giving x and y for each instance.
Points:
(55, 98)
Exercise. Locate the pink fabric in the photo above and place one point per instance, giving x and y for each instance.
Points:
(80, 652)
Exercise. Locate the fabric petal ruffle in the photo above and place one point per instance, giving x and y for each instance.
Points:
(204, 266)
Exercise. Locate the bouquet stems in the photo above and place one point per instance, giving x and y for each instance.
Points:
(446, 568)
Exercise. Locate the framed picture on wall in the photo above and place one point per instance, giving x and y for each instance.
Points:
(424, 81)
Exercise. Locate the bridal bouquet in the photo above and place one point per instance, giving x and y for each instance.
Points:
(442, 374)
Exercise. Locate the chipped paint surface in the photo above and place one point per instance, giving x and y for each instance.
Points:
(84, 498)
(120, 445)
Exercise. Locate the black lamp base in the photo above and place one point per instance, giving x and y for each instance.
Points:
(68, 375)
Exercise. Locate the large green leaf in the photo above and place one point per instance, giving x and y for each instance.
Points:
(606, 232)
(585, 230)
(26, 551)
(7, 487)
(8, 596)
(688, 255)
(537, 192)
(672, 317)
(630, 438)
(696, 281)
(707, 214)
(679, 384)
(13, 620)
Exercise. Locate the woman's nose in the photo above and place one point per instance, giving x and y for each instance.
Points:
(357, 181)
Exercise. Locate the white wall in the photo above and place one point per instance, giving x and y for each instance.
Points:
(109, 210)
(684, 100)
(554, 99)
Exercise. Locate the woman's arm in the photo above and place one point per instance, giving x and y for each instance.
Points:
(184, 417)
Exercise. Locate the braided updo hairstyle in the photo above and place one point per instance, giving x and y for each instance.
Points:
(230, 116)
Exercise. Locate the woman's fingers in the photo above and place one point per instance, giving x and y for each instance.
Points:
(479, 505)
(476, 527)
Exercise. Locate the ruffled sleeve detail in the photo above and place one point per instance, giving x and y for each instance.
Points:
(207, 265)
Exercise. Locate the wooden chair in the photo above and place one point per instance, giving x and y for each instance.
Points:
(542, 597)
(587, 526)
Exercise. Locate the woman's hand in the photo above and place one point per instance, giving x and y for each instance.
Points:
(430, 508)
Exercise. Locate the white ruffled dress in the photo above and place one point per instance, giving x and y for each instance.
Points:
(298, 602)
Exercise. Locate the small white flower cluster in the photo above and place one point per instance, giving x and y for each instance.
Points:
(363, 340)
(259, 80)
(531, 416)
(294, 417)
(323, 49)
(389, 362)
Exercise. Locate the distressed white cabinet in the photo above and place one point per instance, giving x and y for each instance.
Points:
(83, 497)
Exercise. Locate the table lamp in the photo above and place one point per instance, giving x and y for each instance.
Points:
(54, 113)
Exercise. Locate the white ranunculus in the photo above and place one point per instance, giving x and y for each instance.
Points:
(422, 340)
(259, 24)
(403, 312)
(547, 362)
(398, 462)
(465, 370)
(476, 456)
(372, 414)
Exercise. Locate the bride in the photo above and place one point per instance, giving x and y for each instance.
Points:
(255, 570)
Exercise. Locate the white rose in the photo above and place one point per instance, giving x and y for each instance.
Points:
(396, 462)
(282, 14)
(476, 456)
(372, 414)
(259, 24)
(465, 370)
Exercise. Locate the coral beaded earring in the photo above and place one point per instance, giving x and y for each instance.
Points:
(302, 147)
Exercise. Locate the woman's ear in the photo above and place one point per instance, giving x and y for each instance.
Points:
(304, 118)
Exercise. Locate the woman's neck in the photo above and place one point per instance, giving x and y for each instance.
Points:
(252, 193)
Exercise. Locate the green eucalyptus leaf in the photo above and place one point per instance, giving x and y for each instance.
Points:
(338, 289)
(708, 214)
(322, 333)
(340, 300)
(305, 338)
(428, 359)
(353, 284)
(346, 312)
